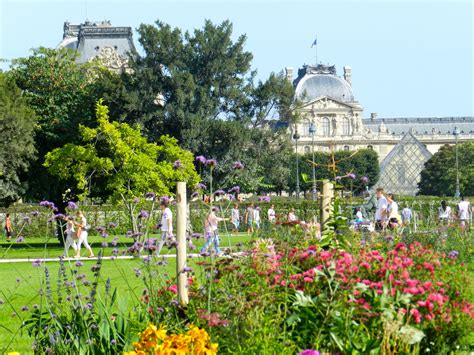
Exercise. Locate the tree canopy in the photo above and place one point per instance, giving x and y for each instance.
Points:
(119, 155)
(17, 122)
(438, 178)
(62, 95)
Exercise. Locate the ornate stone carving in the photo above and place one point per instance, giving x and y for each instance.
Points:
(112, 59)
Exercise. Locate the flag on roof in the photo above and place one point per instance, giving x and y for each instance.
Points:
(315, 42)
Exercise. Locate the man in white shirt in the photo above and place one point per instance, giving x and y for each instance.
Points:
(166, 224)
(381, 210)
(464, 212)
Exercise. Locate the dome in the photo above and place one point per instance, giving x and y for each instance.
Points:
(312, 86)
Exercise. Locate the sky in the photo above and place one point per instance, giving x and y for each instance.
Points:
(409, 58)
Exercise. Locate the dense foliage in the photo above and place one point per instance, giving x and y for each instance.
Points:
(438, 177)
(17, 122)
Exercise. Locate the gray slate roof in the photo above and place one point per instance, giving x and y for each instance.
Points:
(425, 125)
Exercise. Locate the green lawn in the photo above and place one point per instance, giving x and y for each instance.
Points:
(52, 249)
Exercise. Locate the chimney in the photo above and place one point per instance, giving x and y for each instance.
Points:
(373, 116)
(289, 74)
(348, 75)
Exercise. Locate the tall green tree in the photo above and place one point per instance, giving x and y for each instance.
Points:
(124, 159)
(17, 122)
(62, 94)
(198, 87)
(438, 178)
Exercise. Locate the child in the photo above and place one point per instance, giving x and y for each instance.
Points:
(70, 236)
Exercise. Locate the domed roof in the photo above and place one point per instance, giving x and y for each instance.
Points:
(315, 82)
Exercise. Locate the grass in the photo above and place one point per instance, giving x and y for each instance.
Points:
(52, 249)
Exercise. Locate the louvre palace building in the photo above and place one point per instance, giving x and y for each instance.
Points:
(329, 111)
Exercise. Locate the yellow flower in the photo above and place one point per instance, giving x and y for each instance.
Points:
(13, 353)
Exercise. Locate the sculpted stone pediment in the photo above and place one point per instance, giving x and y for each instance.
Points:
(327, 103)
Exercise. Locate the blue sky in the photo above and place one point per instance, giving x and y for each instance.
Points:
(409, 58)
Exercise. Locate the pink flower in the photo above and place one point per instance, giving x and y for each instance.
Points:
(308, 279)
(416, 315)
(365, 264)
(427, 285)
(325, 255)
(173, 288)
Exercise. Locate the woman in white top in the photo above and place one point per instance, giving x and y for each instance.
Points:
(70, 236)
(256, 217)
(292, 216)
(444, 213)
(271, 214)
(394, 219)
(82, 235)
(211, 231)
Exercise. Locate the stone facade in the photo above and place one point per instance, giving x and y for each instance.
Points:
(326, 101)
(112, 45)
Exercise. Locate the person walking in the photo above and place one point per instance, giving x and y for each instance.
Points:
(464, 213)
(82, 235)
(166, 224)
(8, 227)
(235, 218)
(70, 236)
(212, 231)
(444, 213)
(256, 217)
(249, 214)
(381, 210)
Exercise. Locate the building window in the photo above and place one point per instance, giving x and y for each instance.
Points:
(306, 149)
(326, 127)
(345, 127)
(370, 147)
(346, 148)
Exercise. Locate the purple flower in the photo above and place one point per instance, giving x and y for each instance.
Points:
(26, 219)
(309, 352)
(105, 244)
(72, 205)
(143, 214)
(351, 176)
(194, 194)
(453, 254)
(150, 195)
(112, 225)
(36, 263)
(137, 272)
(264, 198)
(165, 199)
(20, 239)
(196, 235)
(115, 251)
(79, 263)
(59, 216)
(238, 165)
(201, 159)
(177, 164)
(235, 189)
(364, 179)
(174, 303)
(211, 162)
(25, 309)
(219, 192)
(200, 186)
(48, 204)
(136, 200)
(187, 269)
(338, 178)
(88, 306)
(35, 213)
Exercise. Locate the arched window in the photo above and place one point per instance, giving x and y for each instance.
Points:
(346, 130)
(306, 149)
(346, 148)
(326, 127)
(370, 147)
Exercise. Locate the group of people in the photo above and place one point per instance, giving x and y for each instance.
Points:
(252, 217)
(387, 214)
(76, 235)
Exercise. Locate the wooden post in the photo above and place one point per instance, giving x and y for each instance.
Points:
(181, 240)
(326, 202)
